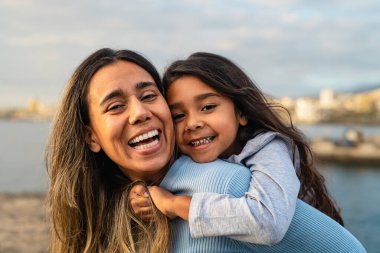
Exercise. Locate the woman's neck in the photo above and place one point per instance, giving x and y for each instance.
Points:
(158, 177)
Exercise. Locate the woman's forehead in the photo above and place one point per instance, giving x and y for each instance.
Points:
(121, 76)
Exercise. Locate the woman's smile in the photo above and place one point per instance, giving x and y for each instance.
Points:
(130, 119)
(145, 141)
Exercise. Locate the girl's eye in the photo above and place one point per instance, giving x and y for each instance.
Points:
(177, 117)
(149, 97)
(208, 107)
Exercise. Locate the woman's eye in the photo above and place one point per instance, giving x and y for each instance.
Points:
(149, 97)
(208, 107)
(115, 107)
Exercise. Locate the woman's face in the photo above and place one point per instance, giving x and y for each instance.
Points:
(130, 120)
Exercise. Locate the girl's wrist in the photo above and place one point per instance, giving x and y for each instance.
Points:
(180, 207)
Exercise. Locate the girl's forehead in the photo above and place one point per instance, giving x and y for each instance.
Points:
(190, 83)
(189, 91)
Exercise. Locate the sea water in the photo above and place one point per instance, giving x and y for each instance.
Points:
(356, 189)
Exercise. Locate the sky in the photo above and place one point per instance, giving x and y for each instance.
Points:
(289, 47)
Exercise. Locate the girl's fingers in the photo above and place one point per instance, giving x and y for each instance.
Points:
(140, 202)
(139, 197)
(139, 190)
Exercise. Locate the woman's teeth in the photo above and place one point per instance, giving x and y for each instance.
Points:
(145, 141)
(145, 146)
(144, 137)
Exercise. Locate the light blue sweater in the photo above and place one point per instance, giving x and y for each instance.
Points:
(310, 230)
(267, 207)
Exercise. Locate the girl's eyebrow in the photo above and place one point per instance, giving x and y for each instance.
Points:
(206, 95)
(197, 98)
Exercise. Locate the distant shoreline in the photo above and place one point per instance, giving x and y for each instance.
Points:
(365, 122)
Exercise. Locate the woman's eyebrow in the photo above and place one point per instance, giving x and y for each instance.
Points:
(111, 95)
(119, 92)
(143, 85)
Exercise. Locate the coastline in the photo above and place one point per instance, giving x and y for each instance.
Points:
(24, 223)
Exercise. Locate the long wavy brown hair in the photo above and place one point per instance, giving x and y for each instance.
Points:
(229, 80)
(88, 193)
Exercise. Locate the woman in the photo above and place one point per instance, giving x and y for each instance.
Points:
(113, 127)
(88, 200)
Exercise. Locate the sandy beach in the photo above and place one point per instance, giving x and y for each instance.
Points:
(24, 226)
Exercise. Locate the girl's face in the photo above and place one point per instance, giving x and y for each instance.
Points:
(206, 123)
(130, 120)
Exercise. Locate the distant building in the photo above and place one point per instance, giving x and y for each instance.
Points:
(377, 106)
(33, 105)
(366, 102)
(35, 110)
(327, 99)
(335, 107)
(307, 110)
(287, 102)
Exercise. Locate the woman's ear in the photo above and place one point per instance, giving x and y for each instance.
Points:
(91, 139)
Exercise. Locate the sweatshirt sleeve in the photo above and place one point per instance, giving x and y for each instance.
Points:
(264, 213)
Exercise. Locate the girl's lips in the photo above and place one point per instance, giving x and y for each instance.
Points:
(201, 141)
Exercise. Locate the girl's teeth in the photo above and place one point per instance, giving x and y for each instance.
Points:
(202, 141)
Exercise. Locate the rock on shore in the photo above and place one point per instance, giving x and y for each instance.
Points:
(24, 225)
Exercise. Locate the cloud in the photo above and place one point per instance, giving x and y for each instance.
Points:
(284, 45)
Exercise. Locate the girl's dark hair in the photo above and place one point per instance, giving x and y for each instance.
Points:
(228, 79)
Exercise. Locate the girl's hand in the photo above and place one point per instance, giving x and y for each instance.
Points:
(140, 202)
(170, 204)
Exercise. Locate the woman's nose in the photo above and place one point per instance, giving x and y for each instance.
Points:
(138, 112)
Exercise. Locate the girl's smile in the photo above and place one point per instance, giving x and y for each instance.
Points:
(206, 122)
(202, 141)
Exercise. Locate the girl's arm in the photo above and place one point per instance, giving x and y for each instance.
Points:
(169, 204)
(263, 215)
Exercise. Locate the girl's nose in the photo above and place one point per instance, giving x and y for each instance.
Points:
(138, 112)
(194, 124)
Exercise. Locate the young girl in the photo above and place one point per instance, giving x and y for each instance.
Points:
(220, 113)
